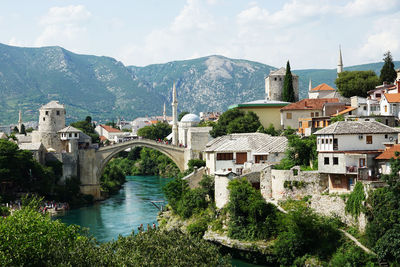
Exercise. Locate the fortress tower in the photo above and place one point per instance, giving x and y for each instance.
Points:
(274, 85)
(51, 120)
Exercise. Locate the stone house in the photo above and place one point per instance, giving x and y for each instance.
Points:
(37, 149)
(274, 85)
(304, 108)
(347, 151)
(231, 152)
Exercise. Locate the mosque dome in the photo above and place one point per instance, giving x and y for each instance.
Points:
(190, 118)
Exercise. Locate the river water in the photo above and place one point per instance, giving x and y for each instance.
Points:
(125, 211)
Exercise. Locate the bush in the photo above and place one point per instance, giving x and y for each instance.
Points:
(192, 202)
(350, 255)
(4, 211)
(199, 227)
(354, 203)
(251, 218)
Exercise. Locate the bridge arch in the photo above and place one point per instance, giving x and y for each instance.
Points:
(105, 154)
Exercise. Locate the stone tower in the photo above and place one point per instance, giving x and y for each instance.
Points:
(174, 116)
(274, 85)
(19, 121)
(51, 120)
(340, 62)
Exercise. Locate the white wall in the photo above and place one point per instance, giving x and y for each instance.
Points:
(353, 142)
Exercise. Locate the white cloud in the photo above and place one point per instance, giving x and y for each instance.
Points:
(383, 37)
(14, 42)
(368, 7)
(64, 26)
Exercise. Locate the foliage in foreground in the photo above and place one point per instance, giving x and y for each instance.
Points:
(251, 218)
(31, 238)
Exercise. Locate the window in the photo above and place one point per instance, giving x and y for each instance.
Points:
(362, 162)
(316, 114)
(385, 108)
(335, 161)
(365, 107)
(241, 157)
(260, 158)
(70, 135)
(224, 156)
(289, 116)
(58, 113)
(322, 141)
(377, 95)
(280, 79)
(369, 139)
(44, 118)
(312, 114)
(275, 79)
(47, 113)
(386, 136)
(76, 135)
(326, 161)
(330, 141)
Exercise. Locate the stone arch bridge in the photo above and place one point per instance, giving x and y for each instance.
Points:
(92, 162)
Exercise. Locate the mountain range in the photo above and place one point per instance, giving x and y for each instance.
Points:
(105, 89)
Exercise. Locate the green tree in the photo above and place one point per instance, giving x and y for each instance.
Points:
(87, 127)
(356, 83)
(288, 94)
(23, 131)
(236, 121)
(251, 218)
(383, 213)
(337, 118)
(160, 130)
(388, 73)
(270, 130)
(15, 130)
(183, 113)
(112, 124)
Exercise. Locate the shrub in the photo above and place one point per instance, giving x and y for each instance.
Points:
(251, 218)
(354, 203)
(198, 228)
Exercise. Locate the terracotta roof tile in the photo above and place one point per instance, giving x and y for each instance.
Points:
(310, 104)
(390, 152)
(110, 129)
(323, 87)
(393, 98)
(348, 109)
(103, 138)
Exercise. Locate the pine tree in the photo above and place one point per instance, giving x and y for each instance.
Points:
(288, 90)
(388, 73)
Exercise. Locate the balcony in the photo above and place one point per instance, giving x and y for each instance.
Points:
(352, 169)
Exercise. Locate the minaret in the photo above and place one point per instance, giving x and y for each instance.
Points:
(340, 63)
(20, 121)
(174, 116)
(165, 114)
(309, 86)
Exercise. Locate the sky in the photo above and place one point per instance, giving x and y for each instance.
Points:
(306, 32)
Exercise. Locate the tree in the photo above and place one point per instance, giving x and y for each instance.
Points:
(112, 124)
(23, 131)
(235, 121)
(388, 73)
(15, 130)
(87, 127)
(356, 83)
(183, 113)
(160, 130)
(288, 94)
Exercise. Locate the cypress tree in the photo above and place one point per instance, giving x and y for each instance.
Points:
(288, 90)
(23, 131)
(388, 73)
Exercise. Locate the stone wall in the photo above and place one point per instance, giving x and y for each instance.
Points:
(298, 183)
(88, 169)
(195, 177)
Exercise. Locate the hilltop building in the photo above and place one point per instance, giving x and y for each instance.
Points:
(274, 85)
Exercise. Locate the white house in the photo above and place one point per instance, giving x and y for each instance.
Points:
(390, 104)
(109, 133)
(231, 152)
(347, 151)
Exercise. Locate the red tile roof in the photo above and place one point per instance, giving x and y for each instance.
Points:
(393, 98)
(306, 104)
(110, 129)
(389, 153)
(323, 87)
(346, 110)
(103, 138)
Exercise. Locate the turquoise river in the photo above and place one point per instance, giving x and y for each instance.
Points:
(125, 211)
